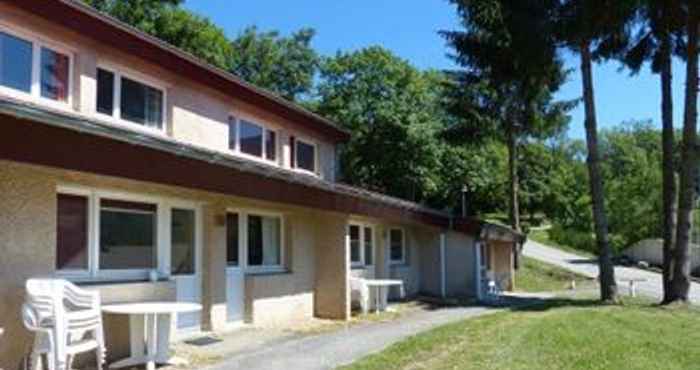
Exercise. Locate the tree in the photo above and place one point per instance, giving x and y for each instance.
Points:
(659, 36)
(511, 71)
(166, 20)
(395, 115)
(680, 284)
(595, 30)
(284, 65)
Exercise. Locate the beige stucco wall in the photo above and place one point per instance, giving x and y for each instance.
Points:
(195, 113)
(27, 244)
(460, 265)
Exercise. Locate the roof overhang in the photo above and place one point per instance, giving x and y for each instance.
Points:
(487, 231)
(41, 136)
(85, 20)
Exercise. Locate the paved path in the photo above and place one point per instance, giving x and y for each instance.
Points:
(582, 265)
(327, 351)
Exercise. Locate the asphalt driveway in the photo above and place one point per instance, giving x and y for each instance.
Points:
(651, 287)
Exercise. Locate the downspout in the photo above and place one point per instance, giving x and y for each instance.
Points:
(443, 272)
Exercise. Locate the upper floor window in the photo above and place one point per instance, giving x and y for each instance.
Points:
(29, 67)
(305, 156)
(252, 139)
(130, 100)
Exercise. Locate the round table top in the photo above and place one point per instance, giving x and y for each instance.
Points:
(151, 308)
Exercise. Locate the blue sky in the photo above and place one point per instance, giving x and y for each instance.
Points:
(409, 28)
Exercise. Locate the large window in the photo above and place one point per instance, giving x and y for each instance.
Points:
(305, 156)
(252, 139)
(101, 235)
(129, 100)
(397, 246)
(128, 235)
(361, 239)
(18, 59)
(256, 238)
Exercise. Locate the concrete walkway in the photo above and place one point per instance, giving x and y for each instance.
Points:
(330, 350)
(585, 266)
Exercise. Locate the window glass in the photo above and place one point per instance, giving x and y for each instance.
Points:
(54, 75)
(232, 239)
(306, 156)
(232, 133)
(397, 245)
(355, 255)
(72, 232)
(182, 231)
(251, 138)
(105, 92)
(264, 241)
(127, 235)
(369, 246)
(270, 145)
(141, 104)
(15, 63)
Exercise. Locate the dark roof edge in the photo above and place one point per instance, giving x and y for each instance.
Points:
(76, 122)
(342, 134)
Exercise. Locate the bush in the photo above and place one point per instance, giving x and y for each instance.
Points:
(582, 241)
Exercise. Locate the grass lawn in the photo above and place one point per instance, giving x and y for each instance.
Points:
(563, 334)
(542, 236)
(536, 276)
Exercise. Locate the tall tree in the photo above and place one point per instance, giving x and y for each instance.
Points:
(284, 65)
(596, 29)
(166, 20)
(511, 71)
(395, 115)
(659, 36)
(680, 285)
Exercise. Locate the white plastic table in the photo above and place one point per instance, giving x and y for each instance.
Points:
(149, 326)
(633, 285)
(381, 287)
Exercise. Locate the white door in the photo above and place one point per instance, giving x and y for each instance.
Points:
(235, 286)
(234, 295)
(185, 257)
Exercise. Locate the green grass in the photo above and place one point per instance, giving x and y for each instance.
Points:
(542, 236)
(536, 276)
(562, 334)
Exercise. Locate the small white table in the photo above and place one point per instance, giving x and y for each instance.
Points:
(633, 285)
(149, 326)
(381, 288)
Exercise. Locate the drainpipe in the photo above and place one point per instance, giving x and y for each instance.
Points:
(464, 201)
(443, 291)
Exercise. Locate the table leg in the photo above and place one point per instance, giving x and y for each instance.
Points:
(377, 294)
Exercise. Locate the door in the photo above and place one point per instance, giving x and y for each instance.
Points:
(235, 286)
(185, 264)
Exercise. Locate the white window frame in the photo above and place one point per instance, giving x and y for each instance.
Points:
(363, 257)
(163, 235)
(116, 116)
(402, 261)
(34, 93)
(243, 214)
(235, 120)
(296, 153)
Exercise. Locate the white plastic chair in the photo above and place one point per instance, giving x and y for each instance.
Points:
(494, 291)
(66, 321)
(358, 285)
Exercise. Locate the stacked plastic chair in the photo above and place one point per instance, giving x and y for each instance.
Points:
(66, 321)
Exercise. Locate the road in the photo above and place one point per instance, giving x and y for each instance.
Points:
(585, 266)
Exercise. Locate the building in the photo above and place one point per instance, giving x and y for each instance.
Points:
(121, 155)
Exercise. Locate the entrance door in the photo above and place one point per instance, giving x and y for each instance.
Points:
(235, 287)
(185, 264)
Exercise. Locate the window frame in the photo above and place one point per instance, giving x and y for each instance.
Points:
(116, 116)
(309, 142)
(235, 120)
(402, 261)
(363, 258)
(163, 236)
(243, 265)
(38, 42)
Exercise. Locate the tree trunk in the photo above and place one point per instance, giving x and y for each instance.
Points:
(669, 180)
(680, 284)
(514, 216)
(608, 286)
